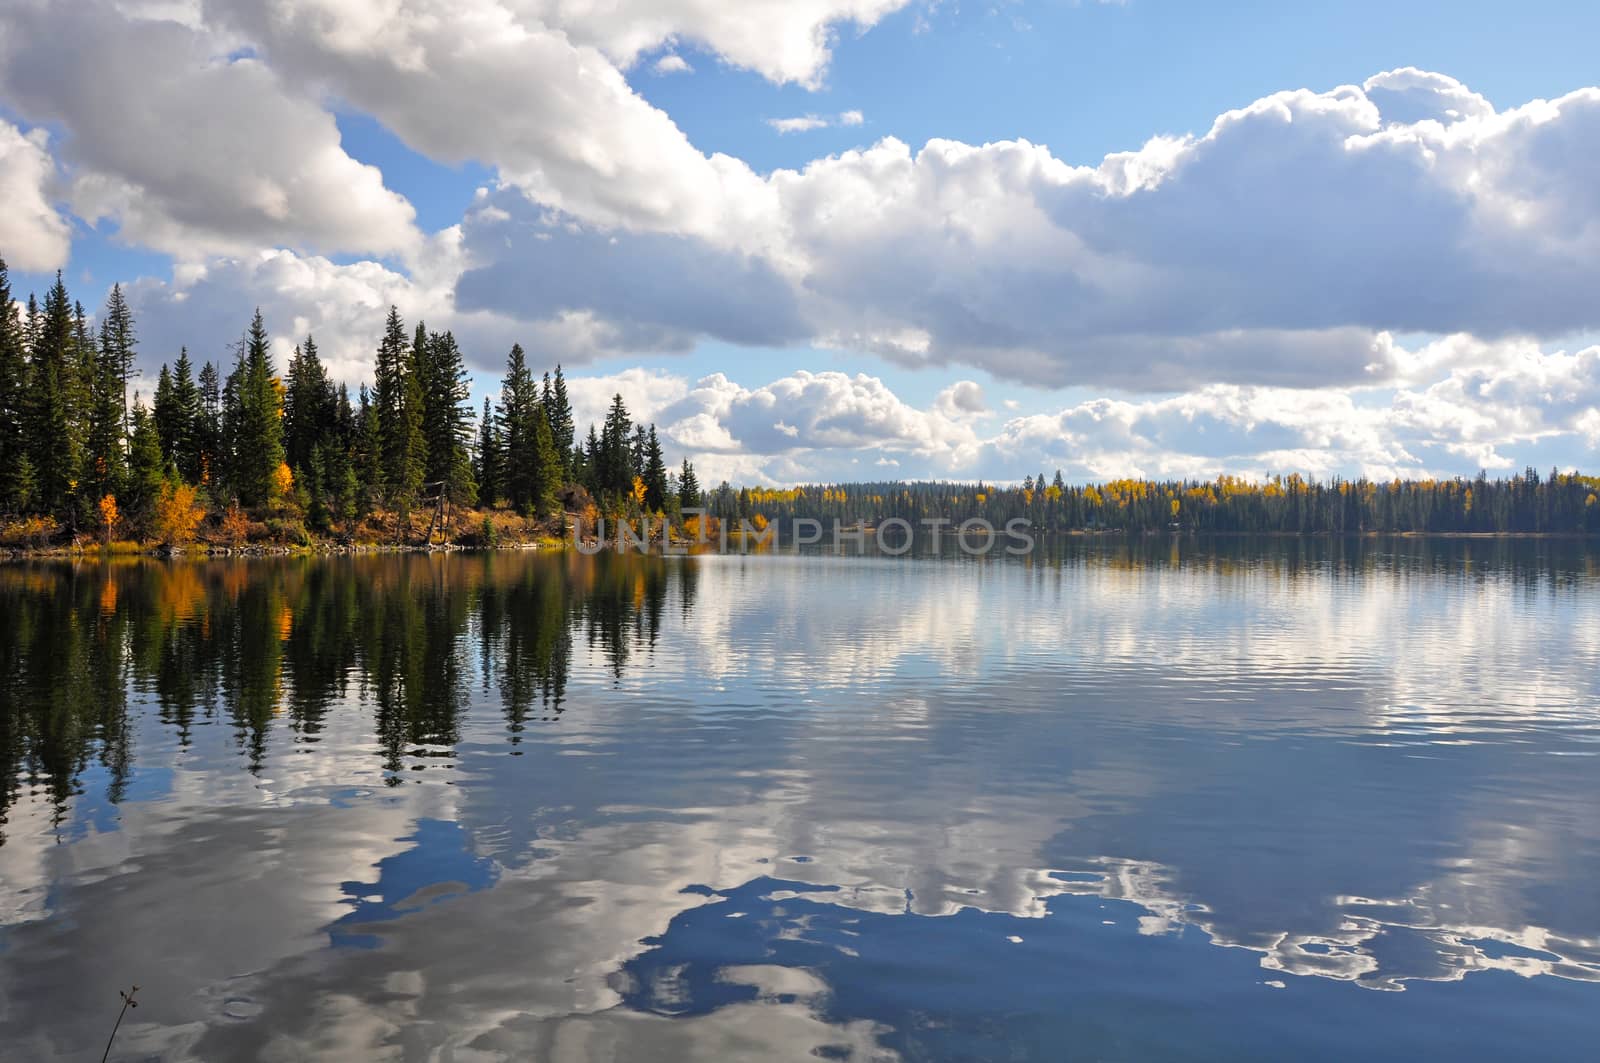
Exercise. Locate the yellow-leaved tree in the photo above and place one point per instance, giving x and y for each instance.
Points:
(282, 482)
(176, 514)
(108, 516)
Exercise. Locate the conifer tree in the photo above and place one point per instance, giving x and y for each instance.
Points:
(562, 426)
(255, 411)
(208, 427)
(118, 342)
(446, 417)
(397, 401)
(688, 487)
(53, 451)
(367, 456)
(614, 466)
(487, 458)
(188, 427)
(309, 406)
(165, 412)
(519, 406)
(546, 478)
(146, 466)
(654, 474)
(13, 392)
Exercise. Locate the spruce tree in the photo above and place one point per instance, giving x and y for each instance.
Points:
(13, 392)
(208, 427)
(519, 405)
(397, 402)
(189, 427)
(118, 342)
(562, 427)
(165, 411)
(546, 462)
(487, 458)
(53, 452)
(615, 467)
(688, 487)
(447, 418)
(309, 406)
(146, 466)
(367, 452)
(654, 474)
(257, 430)
(105, 457)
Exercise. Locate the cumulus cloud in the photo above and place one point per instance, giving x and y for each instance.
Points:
(33, 234)
(463, 80)
(660, 291)
(807, 122)
(783, 40)
(802, 124)
(189, 149)
(672, 63)
(821, 426)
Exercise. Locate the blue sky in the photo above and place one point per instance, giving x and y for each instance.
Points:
(976, 311)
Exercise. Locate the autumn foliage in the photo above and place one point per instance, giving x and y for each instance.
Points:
(177, 514)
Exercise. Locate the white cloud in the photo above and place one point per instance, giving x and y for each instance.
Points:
(807, 122)
(191, 151)
(821, 426)
(462, 80)
(33, 234)
(783, 40)
(672, 63)
(802, 124)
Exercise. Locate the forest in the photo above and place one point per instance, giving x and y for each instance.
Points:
(239, 452)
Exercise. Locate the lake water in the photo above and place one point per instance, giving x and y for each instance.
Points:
(1233, 801)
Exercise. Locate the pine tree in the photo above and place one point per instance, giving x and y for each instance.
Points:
(105, 458)
(256, 434)
(13, 392)
(165, 411)
(446, 418)
(309, 406)
(688, 487)
(654, 474)
(208, 427)
(546, 478)
(52, 448)
(188, 430)
(118, 342)
(146, 466)
(487, 459)
(367, 457)
(615, 467)
(397, 401)
(562, 427)
(519, 405)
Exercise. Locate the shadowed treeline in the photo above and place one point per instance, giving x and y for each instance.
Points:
(272, 649)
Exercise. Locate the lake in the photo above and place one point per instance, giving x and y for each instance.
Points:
(1293, 799)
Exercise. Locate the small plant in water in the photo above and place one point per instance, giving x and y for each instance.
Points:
(127, 1002)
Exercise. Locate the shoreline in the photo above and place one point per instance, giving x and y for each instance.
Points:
(212, 552)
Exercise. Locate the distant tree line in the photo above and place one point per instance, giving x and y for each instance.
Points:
(1560, 503)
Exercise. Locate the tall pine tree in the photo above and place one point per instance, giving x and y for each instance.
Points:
(15, 467)
(256, 431)
(309, 406)
(397, 402)
(53, 449)
(447, 417)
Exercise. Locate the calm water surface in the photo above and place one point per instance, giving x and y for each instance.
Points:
(1150, 802)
